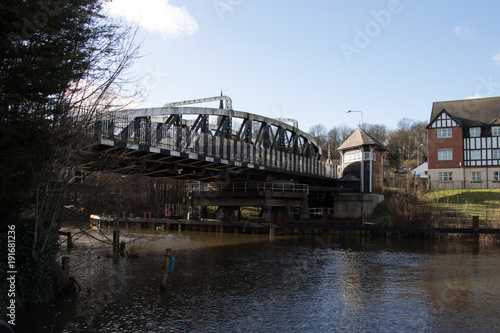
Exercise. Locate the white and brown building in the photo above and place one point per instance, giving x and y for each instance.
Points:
(361, 159)
(463, 142)
(361, 170)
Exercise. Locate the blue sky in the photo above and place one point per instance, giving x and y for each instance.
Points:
(314, 60)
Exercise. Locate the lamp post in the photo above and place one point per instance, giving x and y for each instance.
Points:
(361, 125)
(418, 160)
(418, 157)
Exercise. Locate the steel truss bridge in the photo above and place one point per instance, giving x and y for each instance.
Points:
(204, 144)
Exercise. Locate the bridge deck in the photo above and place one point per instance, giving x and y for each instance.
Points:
(151, 161)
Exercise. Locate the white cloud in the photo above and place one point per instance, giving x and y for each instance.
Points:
(474, 97)
(157, 16)
(496, 58)
(464, 33)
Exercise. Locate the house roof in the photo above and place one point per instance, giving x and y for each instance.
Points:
(422, 167)
(360, 138)
(469, 112)
(403, 171)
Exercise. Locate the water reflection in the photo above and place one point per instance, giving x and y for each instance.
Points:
(251, 283)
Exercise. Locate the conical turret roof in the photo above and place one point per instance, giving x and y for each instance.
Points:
(360, 138)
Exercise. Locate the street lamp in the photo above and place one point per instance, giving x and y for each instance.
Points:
(418, 159)
(361, 125)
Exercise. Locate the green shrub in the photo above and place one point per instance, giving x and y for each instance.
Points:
(381, 209)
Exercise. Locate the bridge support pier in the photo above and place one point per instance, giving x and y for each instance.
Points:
(275, 199)
(268, 215)
(203, 211)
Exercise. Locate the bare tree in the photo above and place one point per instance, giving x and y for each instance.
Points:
(330, 140)
(404, 142)
(319, 133)
(337, 136)
(95, 93)
(379, 132)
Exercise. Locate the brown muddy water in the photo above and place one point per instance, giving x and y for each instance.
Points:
(256, 283)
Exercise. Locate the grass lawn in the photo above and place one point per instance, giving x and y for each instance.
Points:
(464, 200)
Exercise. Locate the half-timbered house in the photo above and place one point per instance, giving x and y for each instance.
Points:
(463, 142)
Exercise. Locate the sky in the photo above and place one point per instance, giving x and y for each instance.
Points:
(314, 60)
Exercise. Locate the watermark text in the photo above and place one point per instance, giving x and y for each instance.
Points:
(373, 28)
(11, 274)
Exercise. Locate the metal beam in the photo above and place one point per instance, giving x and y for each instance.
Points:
(163, 111)
(229, 102)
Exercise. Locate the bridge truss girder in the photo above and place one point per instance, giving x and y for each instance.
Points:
(230, 124)
(165, 140)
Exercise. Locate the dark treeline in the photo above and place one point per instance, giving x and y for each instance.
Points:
(404, 145)
(108, 193)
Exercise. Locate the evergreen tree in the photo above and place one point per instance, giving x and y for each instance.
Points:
(58, 60)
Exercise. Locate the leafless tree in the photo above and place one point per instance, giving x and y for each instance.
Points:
(404, 142)
(97, 91)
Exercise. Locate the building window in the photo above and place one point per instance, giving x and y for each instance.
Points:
(475, 132)
(475, 154)
(496, 176)
(352, 157)
(444, 133)
(445, 176)
(496, 154)
(495, 131)
(445, 155)
(476, 176)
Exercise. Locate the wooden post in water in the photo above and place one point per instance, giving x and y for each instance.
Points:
(324, 221)
(475, 222)
(166, 265)
(70, 241)
(65, 265)
(116, 236)
(116, 241)
(89, 270)
(475, 226)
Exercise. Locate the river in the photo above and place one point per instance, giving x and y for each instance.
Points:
(256, 283)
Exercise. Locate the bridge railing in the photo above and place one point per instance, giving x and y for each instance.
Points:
(142, 133)
(198, 187)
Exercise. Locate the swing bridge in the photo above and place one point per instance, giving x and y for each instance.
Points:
(214, 149)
